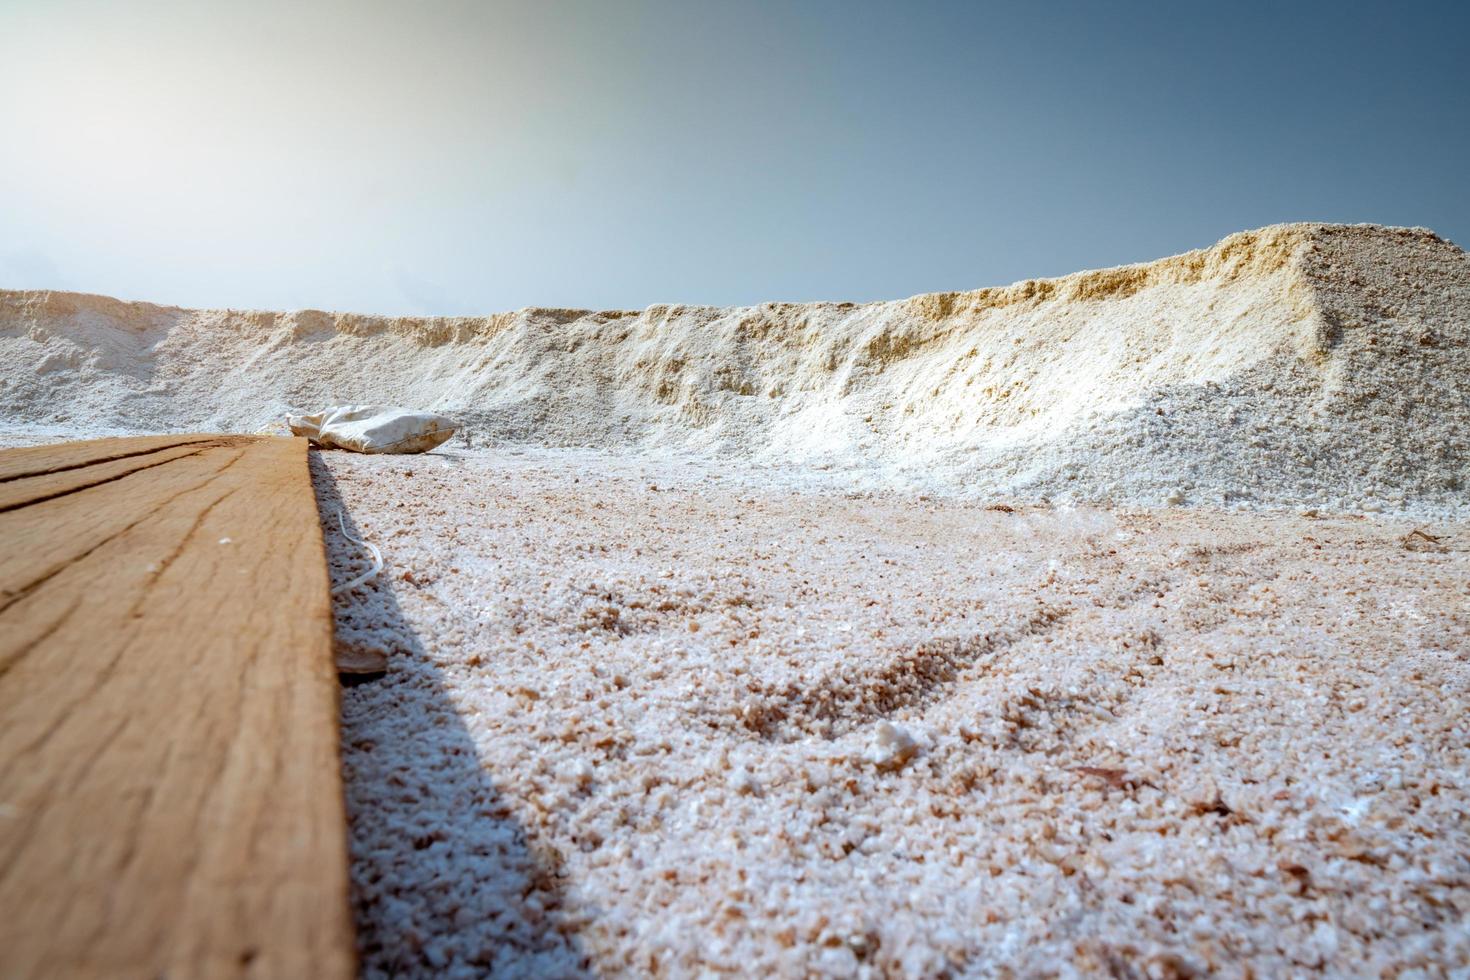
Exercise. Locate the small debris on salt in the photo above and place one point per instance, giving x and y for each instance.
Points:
(743, 781)
(578, 772)
(891, 747)
(356, 655)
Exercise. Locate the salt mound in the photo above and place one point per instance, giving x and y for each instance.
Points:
(1301, 364)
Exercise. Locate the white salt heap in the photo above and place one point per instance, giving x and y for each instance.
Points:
(1299, 365)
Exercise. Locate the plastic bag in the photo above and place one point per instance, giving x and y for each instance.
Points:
(374, 429)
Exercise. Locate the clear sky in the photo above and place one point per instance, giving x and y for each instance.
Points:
(458, 157)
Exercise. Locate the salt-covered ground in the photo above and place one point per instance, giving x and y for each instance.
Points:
(651, 718)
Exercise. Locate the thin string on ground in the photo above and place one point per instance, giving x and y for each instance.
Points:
(366, 576)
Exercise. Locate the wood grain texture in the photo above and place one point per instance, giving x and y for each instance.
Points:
(35, 460)
(170, 783)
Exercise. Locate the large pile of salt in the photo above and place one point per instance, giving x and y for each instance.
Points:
(1306, 364)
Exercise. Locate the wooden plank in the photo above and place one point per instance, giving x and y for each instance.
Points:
(170, 783)
(36, 460)
(52, 534)
(22, 491)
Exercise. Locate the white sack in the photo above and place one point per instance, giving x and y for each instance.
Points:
(374, 429)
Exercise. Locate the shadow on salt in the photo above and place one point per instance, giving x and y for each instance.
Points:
(445, 879)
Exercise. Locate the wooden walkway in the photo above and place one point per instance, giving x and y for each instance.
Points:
(170, 791)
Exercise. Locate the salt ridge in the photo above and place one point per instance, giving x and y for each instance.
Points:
(1295, 365)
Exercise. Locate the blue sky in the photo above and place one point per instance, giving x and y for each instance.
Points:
(448, 157)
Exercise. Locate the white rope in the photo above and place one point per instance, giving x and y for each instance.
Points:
(366, 576)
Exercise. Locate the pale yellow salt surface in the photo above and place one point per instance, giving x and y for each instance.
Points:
(650, 719)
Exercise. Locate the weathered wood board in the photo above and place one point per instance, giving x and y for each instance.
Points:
(170, 786)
